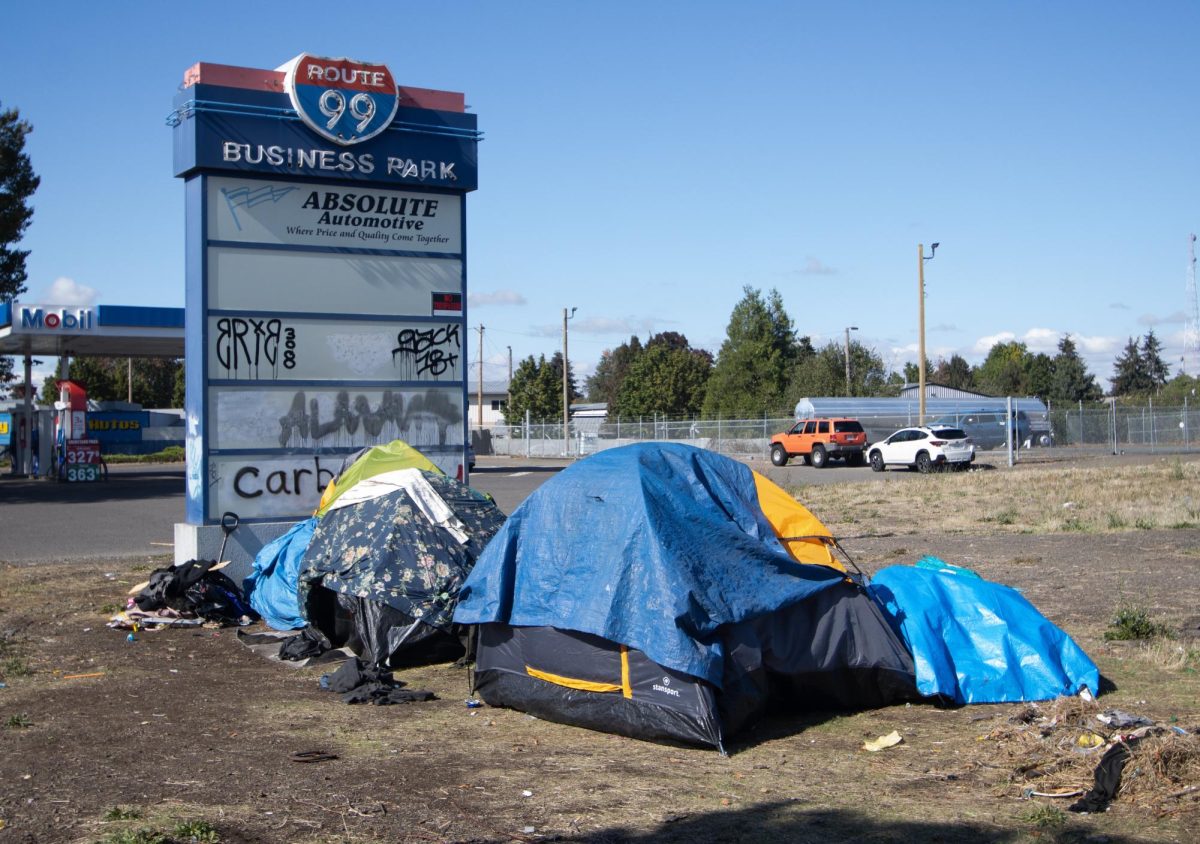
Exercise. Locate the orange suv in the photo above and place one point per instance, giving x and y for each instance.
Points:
(817, 441)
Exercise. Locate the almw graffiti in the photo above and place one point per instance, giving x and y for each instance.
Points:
(303, 420)
(246, 345)
(429, 351)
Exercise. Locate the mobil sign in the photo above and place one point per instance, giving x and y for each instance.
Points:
(55, 318)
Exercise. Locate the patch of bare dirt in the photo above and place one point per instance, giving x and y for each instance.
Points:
(188, 725)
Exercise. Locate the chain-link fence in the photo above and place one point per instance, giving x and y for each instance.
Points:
(1095, 428)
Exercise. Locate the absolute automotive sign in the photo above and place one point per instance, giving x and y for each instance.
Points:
(326, 277)
(311, 214)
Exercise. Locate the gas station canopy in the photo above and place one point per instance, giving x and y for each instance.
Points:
(104, 330)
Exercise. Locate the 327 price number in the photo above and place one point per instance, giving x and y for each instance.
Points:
(82, 456)
(83, 472)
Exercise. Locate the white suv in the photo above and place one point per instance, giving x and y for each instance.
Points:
(923, 448)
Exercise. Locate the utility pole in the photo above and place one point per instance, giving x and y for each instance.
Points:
(848, 330)
(508, 395)
(566, 385)
(479, 386)
(921, 259)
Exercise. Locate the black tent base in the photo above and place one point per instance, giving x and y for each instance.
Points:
(586, 681)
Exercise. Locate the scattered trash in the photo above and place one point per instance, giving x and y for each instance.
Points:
(3, 685)
(529, 830)
(1107, 779)
(473, 703)
(1029, 792)
(131, 638)
(1090, 741)
(312, 756)
(1121, 719)
(83, 676)
(527, 793)
(890, 740)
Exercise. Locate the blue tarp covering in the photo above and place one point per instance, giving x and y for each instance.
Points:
(272, 586)
(974, 641)
(653, 546)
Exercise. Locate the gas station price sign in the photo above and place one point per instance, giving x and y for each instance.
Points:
(81, 461)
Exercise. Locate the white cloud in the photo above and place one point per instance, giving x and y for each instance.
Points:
(1041, 340)
(1096, 345)
(984, 344)
(1152, 320)
(603, 325)
(498, 297)
(67, 291)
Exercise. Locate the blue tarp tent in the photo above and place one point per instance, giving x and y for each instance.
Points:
(654, 546)
(271, 586)
(974, 641)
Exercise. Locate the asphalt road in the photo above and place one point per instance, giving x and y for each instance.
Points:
(133, 513)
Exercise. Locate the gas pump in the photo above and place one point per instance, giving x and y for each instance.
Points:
(78, 456)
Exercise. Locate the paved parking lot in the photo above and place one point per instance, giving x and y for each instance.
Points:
(133, 513)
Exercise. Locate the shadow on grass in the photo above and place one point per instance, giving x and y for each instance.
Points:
(789, 821)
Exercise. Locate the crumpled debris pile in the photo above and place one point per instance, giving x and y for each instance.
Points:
(191, 593)
(360, 682)
(1078, 749)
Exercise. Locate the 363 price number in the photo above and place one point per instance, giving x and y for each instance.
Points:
(83, 472)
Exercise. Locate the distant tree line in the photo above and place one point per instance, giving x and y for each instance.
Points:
(764, 366)
(157, 382)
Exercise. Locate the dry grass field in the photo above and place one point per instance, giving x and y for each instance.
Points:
(184, 735)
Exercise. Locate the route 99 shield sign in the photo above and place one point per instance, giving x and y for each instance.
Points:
(344, 100)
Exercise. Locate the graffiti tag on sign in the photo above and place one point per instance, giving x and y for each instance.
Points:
(303, 420)
(428, 351)
(250, 345)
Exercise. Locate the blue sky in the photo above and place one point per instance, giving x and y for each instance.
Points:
(644, 162)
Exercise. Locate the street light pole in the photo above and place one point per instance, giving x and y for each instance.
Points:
(921, 259)
(566, 386)
(848, 330)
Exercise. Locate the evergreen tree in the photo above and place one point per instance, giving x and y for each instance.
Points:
(1039, 376)
(605, 382)
(1072, 382)
(756, 360)
(1156, 369)
(17, 184)
(537, 387)
(912, 372)
(1129, 373)
(665, 379)
(955, 373)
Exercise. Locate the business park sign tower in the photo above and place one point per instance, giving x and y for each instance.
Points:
(326, 278)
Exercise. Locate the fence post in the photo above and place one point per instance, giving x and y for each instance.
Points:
(1009, 422)
(527, 432)
(1187, 443)
(1113, 425)
(1152, 433)
(1081, 440)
